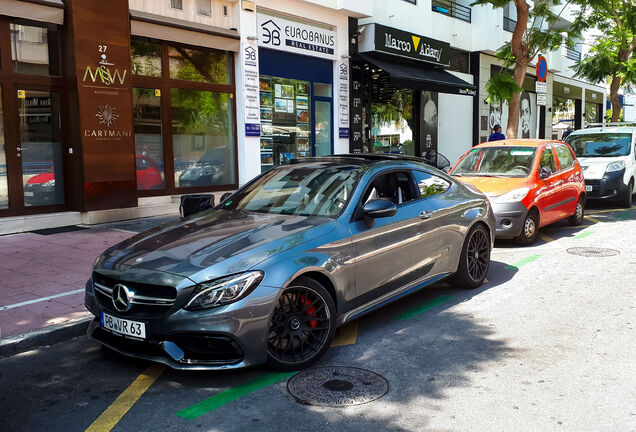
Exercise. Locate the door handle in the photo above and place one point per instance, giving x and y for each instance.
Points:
(21, 148)
(425, 214)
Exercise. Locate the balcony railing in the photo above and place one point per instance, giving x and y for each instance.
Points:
(572, 54)
(509, 24)
(452, 9)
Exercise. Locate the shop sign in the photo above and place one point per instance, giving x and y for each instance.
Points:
(542, 99)
(343, 99)
(291, 36)
(468, 92)
(355, 112)
(250, 89)
(398, 42)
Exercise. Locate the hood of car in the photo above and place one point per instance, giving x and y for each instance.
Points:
(495, 186)
(594, 167)
(217, 242)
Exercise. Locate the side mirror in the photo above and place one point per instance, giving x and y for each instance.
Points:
(544, 173)
(379, 208)
(225, 196)
(191, 204)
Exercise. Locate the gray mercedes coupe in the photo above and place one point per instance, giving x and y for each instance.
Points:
(268, 274)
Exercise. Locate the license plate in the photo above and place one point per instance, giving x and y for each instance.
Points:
(588, 188)
(29, 194)
(122, 326)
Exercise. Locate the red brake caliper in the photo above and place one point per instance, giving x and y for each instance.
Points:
(310, 311)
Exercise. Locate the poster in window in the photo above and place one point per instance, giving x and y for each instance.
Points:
(267, 158)
(428, 122)
(284, 91)
(302, 87)
(266, 114)
(280, 105)
(265, 84)
(267, 143)
(266, 99)
(302, 144)
(302, 116)
(302, 102)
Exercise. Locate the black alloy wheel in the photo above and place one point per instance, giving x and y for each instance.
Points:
(577, 218)
(474, 260)
(302, 326)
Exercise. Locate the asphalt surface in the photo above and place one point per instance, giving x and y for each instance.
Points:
(547, 344)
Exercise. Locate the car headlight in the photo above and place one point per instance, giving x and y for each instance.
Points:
(615, 166)
(224, 290)
(513, 196)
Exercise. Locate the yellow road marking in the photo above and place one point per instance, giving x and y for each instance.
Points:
(346, 335)
(126, 400)
(592, 219)
(546, 238)
(593, 212)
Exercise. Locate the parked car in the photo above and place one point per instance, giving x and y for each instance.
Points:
(530, 183)
(269, 273)
(208, 170)
(608, 158)
(40, 189)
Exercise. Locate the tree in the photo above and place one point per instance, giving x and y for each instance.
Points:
(527, 41)
(612, 54)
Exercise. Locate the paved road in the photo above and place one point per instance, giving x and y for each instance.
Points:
(546, 345)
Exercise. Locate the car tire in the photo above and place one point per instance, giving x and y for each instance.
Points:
(474, 260)
(301, 327)
(626, 201)
(530, 229)
(579, 213)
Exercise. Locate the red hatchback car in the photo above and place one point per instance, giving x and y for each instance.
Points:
(530, 183)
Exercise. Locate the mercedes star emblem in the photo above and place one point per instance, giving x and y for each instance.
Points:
(122, 298)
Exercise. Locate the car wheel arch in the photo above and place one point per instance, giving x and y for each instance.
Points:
(319, 275)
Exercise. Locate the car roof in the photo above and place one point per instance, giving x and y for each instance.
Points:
(527, 142)
(362, 160)
(606, 129)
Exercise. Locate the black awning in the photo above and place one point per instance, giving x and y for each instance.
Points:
(408, 74)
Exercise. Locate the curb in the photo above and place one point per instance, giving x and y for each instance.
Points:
(47, 336)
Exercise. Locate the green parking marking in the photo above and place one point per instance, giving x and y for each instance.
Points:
(227, 396)
(423, 308)
(524, 261)
(623, 216)
(584, 234)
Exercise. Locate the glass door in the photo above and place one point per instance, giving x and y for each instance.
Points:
(39, 148)
(4, 180)
(323, 119)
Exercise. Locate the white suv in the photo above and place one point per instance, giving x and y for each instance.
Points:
(608, 158)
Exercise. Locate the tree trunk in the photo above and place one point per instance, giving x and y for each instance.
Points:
(520, 50)
(616, 104)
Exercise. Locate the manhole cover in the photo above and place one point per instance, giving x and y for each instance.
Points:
(593, 252)
(337, 386)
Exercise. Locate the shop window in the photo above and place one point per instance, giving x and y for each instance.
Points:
(285, 120)
(4, 186)
(389, 119)
(204, 7)
(176, 4)
(35, 48)
(429, 184)
(145, 57)
(148, 139)
(203, 138)
(200, 65)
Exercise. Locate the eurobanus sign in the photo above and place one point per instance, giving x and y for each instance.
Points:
(376, 37)
(291, 36)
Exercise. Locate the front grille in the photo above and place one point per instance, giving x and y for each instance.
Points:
(208, 348)
(148, 301)
(592, 182)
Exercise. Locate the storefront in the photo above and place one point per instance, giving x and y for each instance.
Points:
(566, 107)
(403, 94)
(593, 110)
(296, 69)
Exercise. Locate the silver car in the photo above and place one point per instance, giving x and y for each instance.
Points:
(268, 274)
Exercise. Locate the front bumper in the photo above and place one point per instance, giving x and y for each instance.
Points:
(227, 337)
(610, 187)
(510, 218)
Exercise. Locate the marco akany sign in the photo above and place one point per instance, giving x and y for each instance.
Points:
(291, 36)
(389, 40)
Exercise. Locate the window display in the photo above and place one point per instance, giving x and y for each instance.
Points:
(285, 118)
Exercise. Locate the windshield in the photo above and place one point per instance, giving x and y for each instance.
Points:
(503, 161)
(307, 190)
(601, 144)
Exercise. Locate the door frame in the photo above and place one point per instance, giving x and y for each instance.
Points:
(312, 125)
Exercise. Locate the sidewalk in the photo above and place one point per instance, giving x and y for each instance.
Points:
(42, 278)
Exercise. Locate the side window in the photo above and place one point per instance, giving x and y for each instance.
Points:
(429, 184)
(565, 156)
(393, 186)
(547, 159)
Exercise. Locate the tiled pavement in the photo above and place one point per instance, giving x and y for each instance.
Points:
(34, 267)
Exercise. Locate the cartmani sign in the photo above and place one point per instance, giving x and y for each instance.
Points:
(291, 36)
(377, 37)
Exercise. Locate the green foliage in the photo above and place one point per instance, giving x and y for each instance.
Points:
(433, 189)
(501, 87)
(608, 115)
